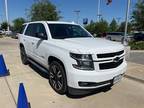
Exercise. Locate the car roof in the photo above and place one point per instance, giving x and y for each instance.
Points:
(51, 22)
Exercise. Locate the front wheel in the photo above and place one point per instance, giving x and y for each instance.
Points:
(57, 77)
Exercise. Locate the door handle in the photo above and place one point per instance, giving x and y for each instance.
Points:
(32, 43)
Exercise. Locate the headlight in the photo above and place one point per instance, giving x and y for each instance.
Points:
(84, 61)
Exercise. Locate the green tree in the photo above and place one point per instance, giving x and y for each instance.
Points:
(138, 16)
(4, 25)
(98, 27)
(91, 27)
(113, 26)
(122, 27)
(101, 26)
(18, 24)
(43, 10)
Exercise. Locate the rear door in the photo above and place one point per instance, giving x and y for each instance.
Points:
(29, 39)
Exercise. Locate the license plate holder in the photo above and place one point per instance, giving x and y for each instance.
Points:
(117, 79)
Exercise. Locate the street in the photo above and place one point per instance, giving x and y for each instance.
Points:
(126, 94)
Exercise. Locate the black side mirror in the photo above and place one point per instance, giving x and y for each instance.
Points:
(41, 36)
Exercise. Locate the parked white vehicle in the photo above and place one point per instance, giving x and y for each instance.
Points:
(118, 36)
(1, 32)
(74, 60)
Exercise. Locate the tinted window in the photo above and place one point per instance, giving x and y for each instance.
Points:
(61, 31)
(41, 29)
(139, 34)
(34, 29)
(115, 34)
(31, 30)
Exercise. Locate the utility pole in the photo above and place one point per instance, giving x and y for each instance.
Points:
(1, 17)
(6, 13)
(98, 10)
(126, 22)
(77, 15)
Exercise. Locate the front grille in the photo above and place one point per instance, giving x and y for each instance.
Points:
(110, 54)
(110, 65)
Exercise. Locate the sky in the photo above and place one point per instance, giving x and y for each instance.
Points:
(88, 9)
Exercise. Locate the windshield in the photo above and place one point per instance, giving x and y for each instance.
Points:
(62, 31)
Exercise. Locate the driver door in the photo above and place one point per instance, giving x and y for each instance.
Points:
(40, 47)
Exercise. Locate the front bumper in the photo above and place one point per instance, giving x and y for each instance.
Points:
(76, 76)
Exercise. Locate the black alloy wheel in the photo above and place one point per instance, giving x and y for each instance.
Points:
(57, 77)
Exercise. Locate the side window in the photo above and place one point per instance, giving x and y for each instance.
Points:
(41, 29)
(31, 30)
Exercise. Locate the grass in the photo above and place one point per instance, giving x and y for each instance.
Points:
(137, 45)
(1, 36)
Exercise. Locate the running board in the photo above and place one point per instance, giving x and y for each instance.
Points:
(38, 66)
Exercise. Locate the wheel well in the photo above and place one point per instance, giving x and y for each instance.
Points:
(52, 58)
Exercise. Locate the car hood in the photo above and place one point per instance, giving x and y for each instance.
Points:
(89, 45)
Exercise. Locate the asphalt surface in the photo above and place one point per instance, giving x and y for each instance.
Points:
(137, 57)
(126, 94)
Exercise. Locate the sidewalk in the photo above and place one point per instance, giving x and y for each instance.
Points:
(135, 71)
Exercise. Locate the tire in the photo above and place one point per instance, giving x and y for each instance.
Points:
(122, 40)
(109, 38)
(24, 57)
(57, 77)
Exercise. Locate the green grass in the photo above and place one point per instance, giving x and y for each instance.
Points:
(1, 36)
(137, 45)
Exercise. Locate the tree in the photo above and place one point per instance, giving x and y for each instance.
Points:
(98, 27)
(43, 10)
(18, 24)
(138, 16)
(122, 27)
(113, 26)
(101, 26)
(4, 25)
(91, 27)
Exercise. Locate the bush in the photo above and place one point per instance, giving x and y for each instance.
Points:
(137, 45)
(1, 36)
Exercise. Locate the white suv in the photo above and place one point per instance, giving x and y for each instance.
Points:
(74, 60)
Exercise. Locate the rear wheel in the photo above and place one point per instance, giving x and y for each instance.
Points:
(57, 77)
(24, 57)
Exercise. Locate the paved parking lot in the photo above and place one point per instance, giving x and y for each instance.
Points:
(137, 57)
(127, 94)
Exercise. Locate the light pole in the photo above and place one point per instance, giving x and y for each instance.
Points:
(98, 10)
(1, 17)
(77, 15)
(6, 13)
(126, 22)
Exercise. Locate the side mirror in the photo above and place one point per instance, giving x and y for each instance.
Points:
(41, 36)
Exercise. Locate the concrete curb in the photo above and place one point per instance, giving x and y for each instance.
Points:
(134, 78)
(137, 51)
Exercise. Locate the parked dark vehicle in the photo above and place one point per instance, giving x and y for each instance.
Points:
(138, 37)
